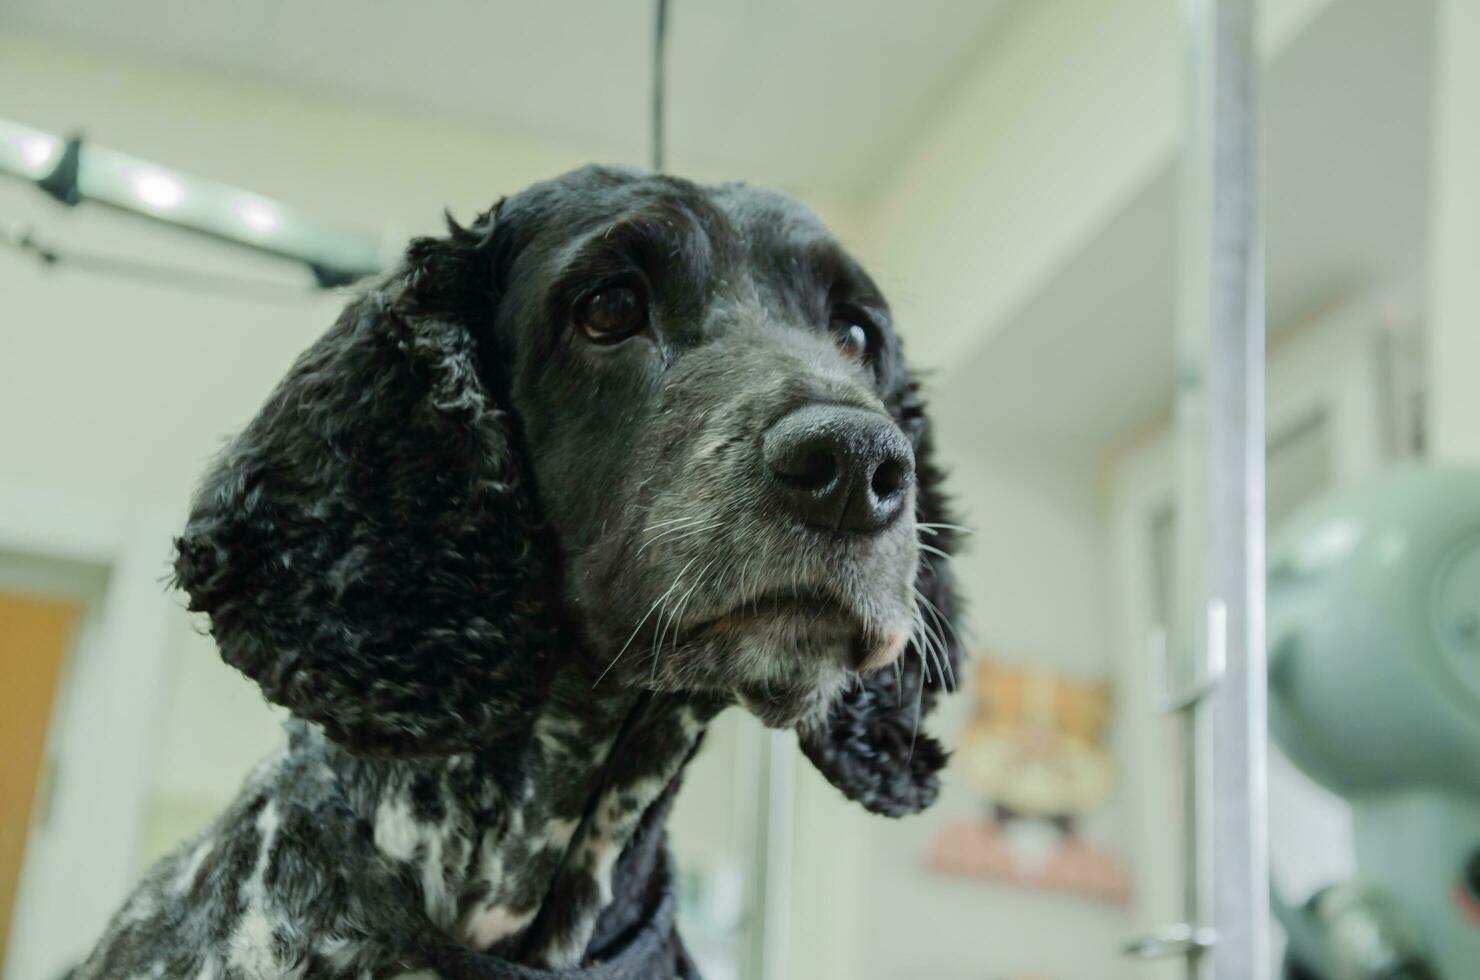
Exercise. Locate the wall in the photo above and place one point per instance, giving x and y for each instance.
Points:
(1069, 114)
(1034, 578)
(1454, 244)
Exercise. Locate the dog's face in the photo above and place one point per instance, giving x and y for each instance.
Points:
(622, 417)
(713, 403)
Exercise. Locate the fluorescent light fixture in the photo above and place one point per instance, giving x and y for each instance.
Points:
(258, 216)
(157, 189)
(39, 152)
(28, 152)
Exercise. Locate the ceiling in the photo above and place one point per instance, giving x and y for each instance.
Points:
(821, 94)
(824, 95)
(1345, 140)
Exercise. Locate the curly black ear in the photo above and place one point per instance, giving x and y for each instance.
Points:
(366, 547)
(871, 745)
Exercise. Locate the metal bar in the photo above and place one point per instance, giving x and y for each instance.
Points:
(660, 62)
(776, 884)
(1190, 939)
(73, 172)
(1221, 425)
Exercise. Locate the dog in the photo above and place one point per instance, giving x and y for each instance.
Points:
(620, 453)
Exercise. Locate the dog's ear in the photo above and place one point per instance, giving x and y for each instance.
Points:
(872, 745)
(366, 548)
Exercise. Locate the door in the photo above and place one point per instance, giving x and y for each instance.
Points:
(35, 635)
(1334, 416)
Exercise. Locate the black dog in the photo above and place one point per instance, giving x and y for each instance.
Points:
(545, 499)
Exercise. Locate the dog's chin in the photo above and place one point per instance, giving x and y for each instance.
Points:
(790, 707)
(786, 662)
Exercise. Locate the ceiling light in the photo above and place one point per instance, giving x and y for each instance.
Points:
(38, 151)
(157, 189)
(258, 216)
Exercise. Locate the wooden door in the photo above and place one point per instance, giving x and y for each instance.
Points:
(35, 635)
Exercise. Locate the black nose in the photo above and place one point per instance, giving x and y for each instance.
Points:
(840, 469)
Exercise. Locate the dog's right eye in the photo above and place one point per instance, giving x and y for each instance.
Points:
(612, 313)
(855, 334)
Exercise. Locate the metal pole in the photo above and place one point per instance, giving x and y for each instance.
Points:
(1223, 347)
(1215, 672)
(776, 881)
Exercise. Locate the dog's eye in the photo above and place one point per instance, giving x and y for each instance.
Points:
(855, 335)
(612, 313)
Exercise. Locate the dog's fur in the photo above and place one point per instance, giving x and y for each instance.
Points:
(503, 576)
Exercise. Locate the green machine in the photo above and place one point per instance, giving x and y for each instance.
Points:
(1374, 692)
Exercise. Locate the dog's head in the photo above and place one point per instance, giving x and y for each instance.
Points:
(621, 417)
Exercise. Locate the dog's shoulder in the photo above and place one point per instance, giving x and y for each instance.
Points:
(263, 892)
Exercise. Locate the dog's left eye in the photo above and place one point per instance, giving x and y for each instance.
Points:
(855, 334)
(612, 313)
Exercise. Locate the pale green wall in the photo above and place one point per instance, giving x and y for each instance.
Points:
(1454, 243)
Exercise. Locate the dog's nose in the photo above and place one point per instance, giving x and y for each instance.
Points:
(840, 469)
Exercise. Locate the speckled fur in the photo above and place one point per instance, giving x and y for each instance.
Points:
(430, 544)
(332, 864)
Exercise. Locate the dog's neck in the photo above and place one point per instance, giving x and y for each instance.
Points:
(515, 848)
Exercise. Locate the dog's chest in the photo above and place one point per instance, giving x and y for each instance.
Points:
(339, 866)
(548, 877)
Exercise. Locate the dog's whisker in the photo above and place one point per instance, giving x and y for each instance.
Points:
(683, 603)
(689, 532)
(935, 644)
(931, 550)
(935, 527)
(923, 641)
(935, 611)
(941, 625)
(935, 649)
(676, 522)
(676, 614)
(691, 519)
(943, 662)
(677, 533)
(917, 641)
(664, 612)
(637, 629)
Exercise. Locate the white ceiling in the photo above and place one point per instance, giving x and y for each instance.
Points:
(818, 94)
(1088, 361)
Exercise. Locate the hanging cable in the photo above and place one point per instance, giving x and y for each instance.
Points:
(24, 241)
(660, 43)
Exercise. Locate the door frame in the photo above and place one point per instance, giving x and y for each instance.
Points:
(103, 738)
(1332, 367)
